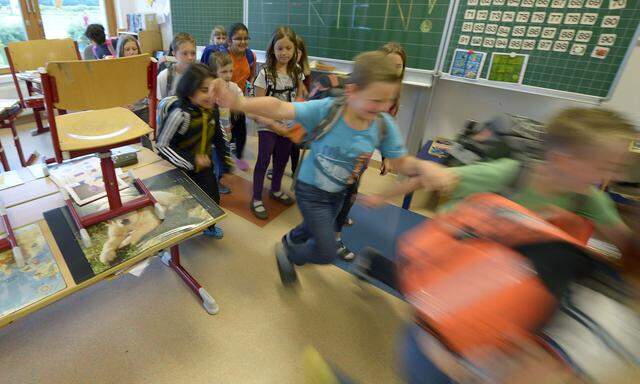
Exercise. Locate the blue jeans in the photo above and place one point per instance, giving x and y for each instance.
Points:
(417, 367)
(314, 240)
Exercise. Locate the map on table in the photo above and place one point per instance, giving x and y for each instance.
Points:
(38, 279)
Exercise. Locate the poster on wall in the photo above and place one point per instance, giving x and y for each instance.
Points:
(467, 64)
(507, 67)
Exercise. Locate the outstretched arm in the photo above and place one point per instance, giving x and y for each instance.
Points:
(268, 107)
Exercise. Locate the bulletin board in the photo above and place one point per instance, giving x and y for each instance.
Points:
(577, 46)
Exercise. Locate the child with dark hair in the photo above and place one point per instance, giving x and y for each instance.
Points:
(191, 127)
(102, 47)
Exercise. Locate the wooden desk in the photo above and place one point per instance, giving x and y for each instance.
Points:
(58, 256)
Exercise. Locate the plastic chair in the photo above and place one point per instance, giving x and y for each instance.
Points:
(98, 88)
(30, 56)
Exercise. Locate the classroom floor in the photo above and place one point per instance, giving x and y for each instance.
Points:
(151, 329)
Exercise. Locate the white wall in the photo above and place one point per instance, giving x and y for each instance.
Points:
(455, 102)
(159, 7)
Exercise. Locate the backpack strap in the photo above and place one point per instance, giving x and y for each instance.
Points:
(381, 124)
(251, 57)
(330, 119)
(111, 48)
(170, 75)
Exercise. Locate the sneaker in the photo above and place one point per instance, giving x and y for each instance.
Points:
(223, 189)
(344, 253)
(258, 209)
(270, 174)
(281, 197)
(286, 269)
(349, 222)
(215, 232)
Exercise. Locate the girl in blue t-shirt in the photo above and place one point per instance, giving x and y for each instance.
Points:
(338, 158)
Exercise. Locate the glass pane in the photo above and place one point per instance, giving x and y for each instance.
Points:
(11, 26)
(69, 18)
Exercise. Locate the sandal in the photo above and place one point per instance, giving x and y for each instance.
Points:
(281, 197)
(258, 209)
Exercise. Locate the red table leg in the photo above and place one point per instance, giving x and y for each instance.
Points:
(116, 207)
(3, 158)
(40, 127)
(10, 242)
(16, 141)
(172, 260)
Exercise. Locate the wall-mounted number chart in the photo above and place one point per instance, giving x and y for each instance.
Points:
(571, 45)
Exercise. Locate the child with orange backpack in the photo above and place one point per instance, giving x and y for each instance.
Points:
(584, 147)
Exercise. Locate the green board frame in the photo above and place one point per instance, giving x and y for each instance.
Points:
(342, 29)
(549, 69)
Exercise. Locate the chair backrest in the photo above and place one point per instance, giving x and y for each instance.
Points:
(33, 54)
(150, 41)
(100, 84)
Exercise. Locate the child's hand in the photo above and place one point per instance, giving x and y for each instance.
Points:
(224, 97)
(435, 177)
(202, 161)
(372, 201)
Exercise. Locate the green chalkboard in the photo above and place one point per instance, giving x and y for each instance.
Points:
(340, 29)
(573, 45)
(198, 17)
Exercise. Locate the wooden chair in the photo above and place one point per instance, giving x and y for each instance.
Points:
(30, 56)
(98, 88)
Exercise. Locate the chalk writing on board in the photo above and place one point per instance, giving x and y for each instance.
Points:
(359, 14)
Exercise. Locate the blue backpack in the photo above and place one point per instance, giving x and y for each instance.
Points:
(209, 49)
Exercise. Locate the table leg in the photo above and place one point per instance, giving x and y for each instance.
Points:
(172, 260)
(3, 159)
(40, 127)
(16, 141)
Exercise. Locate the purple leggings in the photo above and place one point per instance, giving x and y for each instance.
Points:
(270, 143)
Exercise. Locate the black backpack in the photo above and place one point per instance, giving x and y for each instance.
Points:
(326, 85)
(505, 135)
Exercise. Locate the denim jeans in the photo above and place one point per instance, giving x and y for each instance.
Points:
(314, 240)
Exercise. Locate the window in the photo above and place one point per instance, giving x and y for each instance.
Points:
(52, 19)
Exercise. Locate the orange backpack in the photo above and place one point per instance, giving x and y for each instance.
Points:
(467, 283)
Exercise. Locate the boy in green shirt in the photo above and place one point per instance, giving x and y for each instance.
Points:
(585, 147)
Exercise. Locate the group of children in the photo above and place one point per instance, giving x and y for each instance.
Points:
(585, 146)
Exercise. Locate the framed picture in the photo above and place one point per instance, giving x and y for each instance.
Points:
(467, 64)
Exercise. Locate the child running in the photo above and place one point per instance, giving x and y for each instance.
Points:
(398, 57)
(339, 157)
